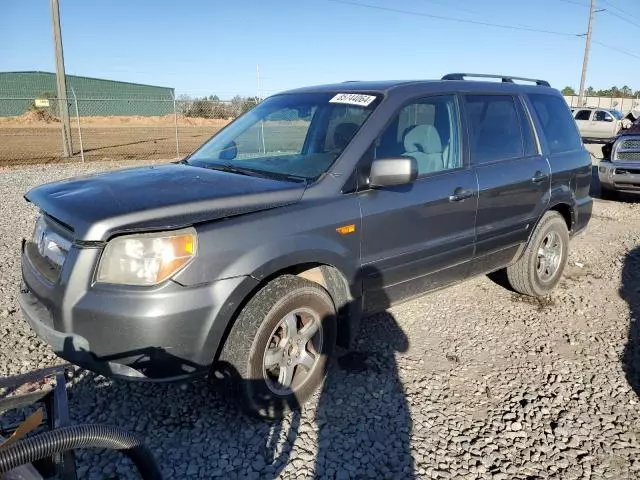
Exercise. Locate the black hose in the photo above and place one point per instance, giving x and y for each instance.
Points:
(64, 439)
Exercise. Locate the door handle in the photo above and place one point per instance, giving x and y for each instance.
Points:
(539, 177)
(460, 194)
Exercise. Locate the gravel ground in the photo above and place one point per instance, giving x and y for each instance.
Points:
(470, 382)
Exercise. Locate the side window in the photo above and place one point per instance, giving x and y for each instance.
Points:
(495, 129)
(428, 130)
(557, 126)
(602, 116)
(583, 115)
(530, 145)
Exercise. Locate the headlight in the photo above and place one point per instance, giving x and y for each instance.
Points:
(147, 259)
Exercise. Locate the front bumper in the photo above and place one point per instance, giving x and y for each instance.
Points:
(619, 175)
(165, 333)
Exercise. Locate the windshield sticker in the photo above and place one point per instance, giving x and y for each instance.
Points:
(353, 99)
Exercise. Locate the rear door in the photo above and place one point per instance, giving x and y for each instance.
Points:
(570, 162)
(513, 176)
(583, 120)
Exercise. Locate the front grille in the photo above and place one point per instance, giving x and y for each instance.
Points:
(629, 156)
(635, 144)
(48, 248)
(46, 268)
(627, 149)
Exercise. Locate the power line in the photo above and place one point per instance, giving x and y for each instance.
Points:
(454, 19)
(622, 18)
(610, 12)
(606, 2)
(617, 49)
(573, 2)
(477, 22)
(447, 4)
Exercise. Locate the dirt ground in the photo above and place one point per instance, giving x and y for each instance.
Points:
(103, 138)
(25, 140)
(23, 145)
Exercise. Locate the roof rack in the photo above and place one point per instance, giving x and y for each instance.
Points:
(505, 78)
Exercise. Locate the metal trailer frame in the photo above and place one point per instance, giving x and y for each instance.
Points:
(47, 387)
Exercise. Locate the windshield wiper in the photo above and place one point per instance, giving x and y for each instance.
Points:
(253, 172)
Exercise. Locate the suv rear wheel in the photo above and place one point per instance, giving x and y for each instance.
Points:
(540, 268)
(277, 352)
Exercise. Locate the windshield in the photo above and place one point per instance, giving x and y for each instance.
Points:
(616, 114)
(294, 136)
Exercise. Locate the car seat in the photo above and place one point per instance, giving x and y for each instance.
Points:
(423, 143)
(343, 133)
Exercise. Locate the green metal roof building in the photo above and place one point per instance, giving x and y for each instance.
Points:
(95, 96)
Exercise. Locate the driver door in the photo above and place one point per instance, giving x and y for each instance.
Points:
(418, 236)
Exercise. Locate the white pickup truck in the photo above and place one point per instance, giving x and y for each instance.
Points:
(598, 123)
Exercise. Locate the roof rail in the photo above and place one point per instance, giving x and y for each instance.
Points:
(505, 78)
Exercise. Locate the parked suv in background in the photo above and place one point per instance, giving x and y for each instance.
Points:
(598, 123)
(257, 254)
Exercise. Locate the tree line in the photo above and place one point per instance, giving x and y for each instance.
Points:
(615, 92)
(212, 107)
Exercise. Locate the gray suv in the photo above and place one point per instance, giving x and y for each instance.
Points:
(254, 257)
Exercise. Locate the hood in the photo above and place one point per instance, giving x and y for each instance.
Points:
(157, 197)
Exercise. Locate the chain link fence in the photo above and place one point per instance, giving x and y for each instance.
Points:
(111, 129)
(119, 129)
(625, 105)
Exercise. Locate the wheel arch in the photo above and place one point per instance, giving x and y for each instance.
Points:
(567, 212)
(340, 281)
(562, 206)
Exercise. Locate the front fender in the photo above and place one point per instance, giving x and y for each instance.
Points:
(261, 244)
(268, 259)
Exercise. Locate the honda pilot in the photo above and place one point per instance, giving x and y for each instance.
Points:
(251, 259)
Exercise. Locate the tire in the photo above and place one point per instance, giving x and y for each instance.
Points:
(535, 277)
(268, 320)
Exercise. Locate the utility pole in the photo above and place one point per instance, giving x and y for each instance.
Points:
(587, 48)
(61, 82)
(259, 83)
(264, 147)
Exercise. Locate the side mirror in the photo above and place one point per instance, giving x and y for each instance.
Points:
(229, 152)
(608, 119)
(386, 172)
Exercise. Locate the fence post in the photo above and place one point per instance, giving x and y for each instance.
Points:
(75, 102)
(175, 122)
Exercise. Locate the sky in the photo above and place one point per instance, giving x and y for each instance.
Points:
(203, 47)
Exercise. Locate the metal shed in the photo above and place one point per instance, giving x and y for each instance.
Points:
(96, 96)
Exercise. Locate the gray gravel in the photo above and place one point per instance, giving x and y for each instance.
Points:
(470, 382)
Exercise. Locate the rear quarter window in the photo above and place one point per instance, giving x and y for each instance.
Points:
(558, 127)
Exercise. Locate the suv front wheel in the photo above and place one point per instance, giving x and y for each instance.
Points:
(540, 268)
(277, 352)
